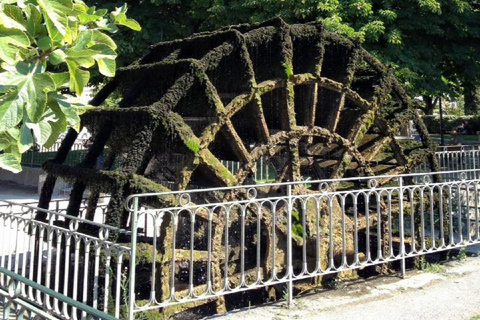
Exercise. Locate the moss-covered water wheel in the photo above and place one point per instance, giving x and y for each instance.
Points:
(312, 103)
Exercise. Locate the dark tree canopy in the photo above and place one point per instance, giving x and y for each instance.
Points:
(433, 45)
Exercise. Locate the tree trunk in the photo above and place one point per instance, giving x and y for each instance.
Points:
(472, 97)
(430, 103)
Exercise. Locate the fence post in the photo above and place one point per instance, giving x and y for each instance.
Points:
(289, 247)
(131, 294)
(401, 225)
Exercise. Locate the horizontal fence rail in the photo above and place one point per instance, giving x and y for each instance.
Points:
(72, 256)
(204, 244)
(16, 308)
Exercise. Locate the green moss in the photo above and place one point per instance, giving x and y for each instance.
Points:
(288, 69)
(193, 145)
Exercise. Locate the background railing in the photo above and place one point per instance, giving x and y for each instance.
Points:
(456, 159)
(37, 156)
(72, 256)
(227, 240)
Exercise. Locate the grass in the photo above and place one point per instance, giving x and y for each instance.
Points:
(430, 267)
(461, 137)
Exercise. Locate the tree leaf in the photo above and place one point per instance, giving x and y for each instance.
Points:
(57, 128)
(78, 77)
(11, 113)
(44, 43)
(31, 87)
(107, 67)
(41, 131)
(57, 57)
(9, 162)
(89, 38)
(105, 57)
(10, 41)
(4, 141)
(66, 108)
(12, 17)
(56, 14)
(35, 26)
(61, 80)
(26, 139)
(119, 17)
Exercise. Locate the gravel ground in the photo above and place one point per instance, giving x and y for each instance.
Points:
(452, 294)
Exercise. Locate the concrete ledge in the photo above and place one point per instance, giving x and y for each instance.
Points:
(33, 177)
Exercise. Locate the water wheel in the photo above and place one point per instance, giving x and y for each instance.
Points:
(307, 103)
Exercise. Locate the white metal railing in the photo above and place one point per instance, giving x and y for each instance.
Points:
(227, 240)
(456, 159)
(69, 255)
(79, 144)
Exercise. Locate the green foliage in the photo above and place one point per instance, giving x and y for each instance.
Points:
(193, 145)
(450, 123)
(47, 47)
(462, 254)
(432, 45)
(288, 69)
(423, 265)
(297, 226)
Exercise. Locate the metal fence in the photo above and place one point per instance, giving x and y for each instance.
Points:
(37, 156)
(456, 159)
(12, 306)
(228, 240)
(64, 254)
(203, 244)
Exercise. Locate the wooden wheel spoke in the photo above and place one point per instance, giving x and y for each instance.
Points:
(236, 142)
(293, 149)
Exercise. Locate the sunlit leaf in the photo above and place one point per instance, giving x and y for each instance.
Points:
(31, 89)
(56, 17)
(78, 77)
(9, 162)
(10, 41)
(26, 138)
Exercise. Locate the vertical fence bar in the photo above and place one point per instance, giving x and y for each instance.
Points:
(289, 246)
(131, 296)
(401, 225)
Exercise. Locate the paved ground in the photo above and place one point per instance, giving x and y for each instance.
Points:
(15, 192)
(453, 294)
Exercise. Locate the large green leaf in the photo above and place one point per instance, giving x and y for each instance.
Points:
(10, 41)
(78, 77)
(89, 38)
(31, 88)
(58, 128)
(26, 138)
(4, 141)
(41, 130)
(11, 113)
(9, 162)
(61, 80)
(56, 14)
(105, 57)
(107, 67)
(35, 26)
(93, 46)
(68, 109)
(119, 17)
(12, 17)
